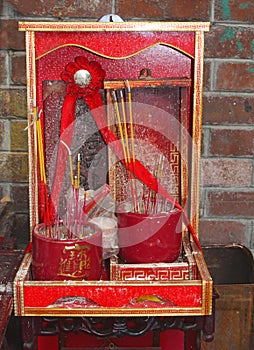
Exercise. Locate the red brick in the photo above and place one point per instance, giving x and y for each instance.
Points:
(230, 142)
(14, 167)
(228, 110)
(226, 42)
(21, 230)
(223, 203)
(234, 10)
(20, 198)
(207, 76)
(141, 9)
(10, 37)
(226, 172)
(170, 10)
(232, 76)
(221, 232)
(18, 136)
(13, 103)
(71, 8)
(3, 72)
(3, 133)
(2, 191)
(18, 70)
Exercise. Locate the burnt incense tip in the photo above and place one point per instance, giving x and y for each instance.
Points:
(128, 85)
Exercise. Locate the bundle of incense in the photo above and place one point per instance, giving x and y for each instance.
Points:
(73, 212)
(129, 156)
(135, 201)
(42, 167)
(131, 119)
(79, 213)
(119, 123)
(62, 232)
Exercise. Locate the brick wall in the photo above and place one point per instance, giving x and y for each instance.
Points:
(228, 133)
(227, 196)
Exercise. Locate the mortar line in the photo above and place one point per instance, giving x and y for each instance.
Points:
(212, 75)
(212, 9)
(228, 94)
(232, 23)
(114, 7)
(247, 127)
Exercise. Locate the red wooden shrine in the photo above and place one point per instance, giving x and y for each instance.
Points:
(161, 63)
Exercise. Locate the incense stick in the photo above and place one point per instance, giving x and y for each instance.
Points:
(125, 126)
(78, 171)
(131, 119)
(76, 206)
(124, 139)
(132, 139)
(42, 166)
(159, 176)
(127, 148)
(40, 146)
(70, 162)
(115, 103)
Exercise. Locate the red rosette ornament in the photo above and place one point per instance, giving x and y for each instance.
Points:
(84, 80)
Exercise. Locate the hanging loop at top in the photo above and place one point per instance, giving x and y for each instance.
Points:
(111, 18)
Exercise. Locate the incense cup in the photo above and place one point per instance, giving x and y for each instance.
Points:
(149, 238)
(67, 259)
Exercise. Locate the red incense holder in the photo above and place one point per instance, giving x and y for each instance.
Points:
(62, 259)
(149, 238)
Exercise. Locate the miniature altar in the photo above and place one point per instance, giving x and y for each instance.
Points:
(114, 130)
